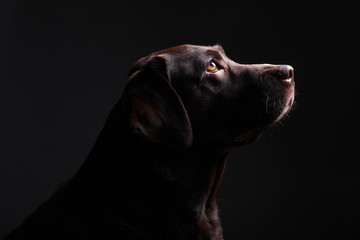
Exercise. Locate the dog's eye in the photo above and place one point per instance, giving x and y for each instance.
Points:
(212, 67)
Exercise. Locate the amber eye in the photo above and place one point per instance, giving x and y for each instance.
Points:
(212, 67)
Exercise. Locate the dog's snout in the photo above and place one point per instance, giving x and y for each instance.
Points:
(284, 73)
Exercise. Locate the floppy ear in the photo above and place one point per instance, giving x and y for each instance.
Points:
(155, 111)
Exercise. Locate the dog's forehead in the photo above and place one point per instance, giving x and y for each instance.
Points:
(189, 50)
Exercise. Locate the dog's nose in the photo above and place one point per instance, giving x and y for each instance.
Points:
(285, 73)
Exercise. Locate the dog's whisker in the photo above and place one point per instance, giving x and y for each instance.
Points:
(266, 104)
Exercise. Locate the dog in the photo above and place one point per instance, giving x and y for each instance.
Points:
(155, 168)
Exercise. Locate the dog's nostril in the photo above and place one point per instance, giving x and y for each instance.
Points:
(285, 72)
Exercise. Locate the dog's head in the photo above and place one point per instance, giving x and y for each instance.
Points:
(196, 95)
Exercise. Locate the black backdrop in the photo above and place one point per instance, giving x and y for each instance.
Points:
(63, 67)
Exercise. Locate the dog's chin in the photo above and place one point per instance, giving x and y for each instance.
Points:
(270, 120)
(283, 111)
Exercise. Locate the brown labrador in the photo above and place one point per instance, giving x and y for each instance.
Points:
(156, 166)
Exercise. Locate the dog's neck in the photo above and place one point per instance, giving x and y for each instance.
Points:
(191, 180)
(187, 181)
(199, 182)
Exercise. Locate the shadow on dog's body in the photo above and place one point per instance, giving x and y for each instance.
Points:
(155, 168)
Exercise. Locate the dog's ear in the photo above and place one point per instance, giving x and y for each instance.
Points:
(155, 110)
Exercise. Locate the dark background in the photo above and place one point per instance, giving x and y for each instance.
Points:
(63, 67)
